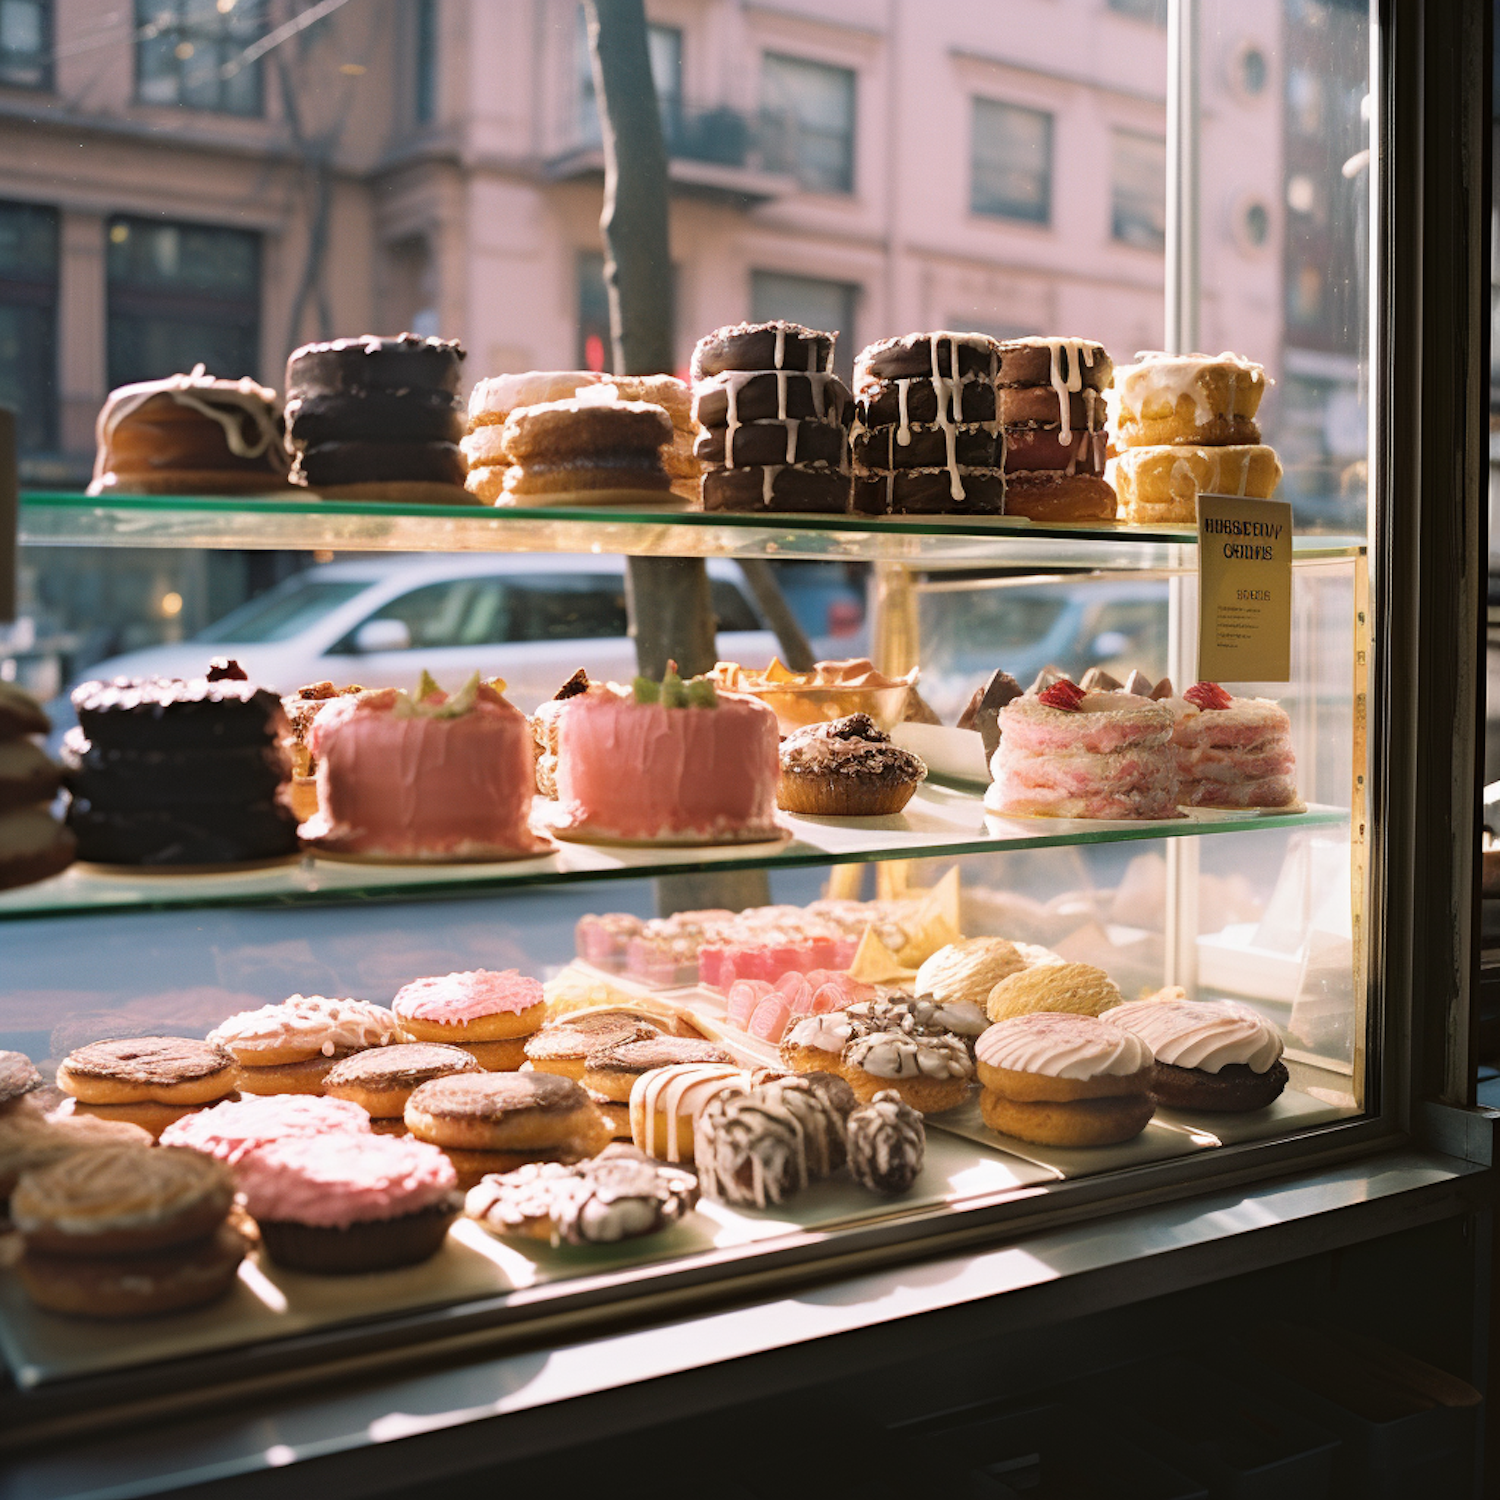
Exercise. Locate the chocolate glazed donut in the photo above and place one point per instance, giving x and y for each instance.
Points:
(930, 492)
(757, 396)
(920, 354)
(880, 402)
(762, 346)
(976, 446)
(771, 442)
(1051, 495)
(776, 487)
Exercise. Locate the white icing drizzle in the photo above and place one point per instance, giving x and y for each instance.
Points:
(781, 395)
(792, 424)
(903, 428)
(682, 1089)
(732, 392)
(768, 482)
(780, 354)
(903, 1054)
(221, 401)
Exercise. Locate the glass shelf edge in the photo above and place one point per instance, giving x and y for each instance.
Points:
(57, 518)
(394, 883)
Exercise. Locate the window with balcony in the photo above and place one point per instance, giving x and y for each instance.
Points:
(426, 62)
(807, 122)
(181, 294)
(664, 44)
(28, 322)
(26, 43)
(812, 301)
(1138, 190)
(195, 53)
(1012, 162)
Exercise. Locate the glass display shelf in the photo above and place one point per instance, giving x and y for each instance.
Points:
(300, 523)
(939, 821)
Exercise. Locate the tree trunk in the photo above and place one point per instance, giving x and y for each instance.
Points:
(670, 613)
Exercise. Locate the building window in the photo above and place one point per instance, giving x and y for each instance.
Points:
(828, 306)
(593, 313)
(26, 43)
(181, 294)
(807, 118)
(28, 323)
(1154, 11)
(193, 53)
(427, 61)
(1138, 191)
(1012, 162)
(664, 46)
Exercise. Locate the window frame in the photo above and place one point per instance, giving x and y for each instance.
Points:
(1016, 213)
(145, 21)
(848, 180)
(45, 81)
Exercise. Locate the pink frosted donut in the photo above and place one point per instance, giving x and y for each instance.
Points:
(337, 1180)
(233, 1129)
(452, 999)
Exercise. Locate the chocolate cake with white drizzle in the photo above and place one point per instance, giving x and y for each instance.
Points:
(775, 419)
(927, 437)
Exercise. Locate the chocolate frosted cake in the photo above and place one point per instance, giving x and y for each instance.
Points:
(168, 772)
(775, 419)
(1051, 395)
(374, 411)
(927, 436)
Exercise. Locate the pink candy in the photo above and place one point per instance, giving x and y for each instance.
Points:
(770, 1019)
(744, 996)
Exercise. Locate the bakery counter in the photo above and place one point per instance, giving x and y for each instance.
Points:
(295, 521)
(1054, 1292)
(940, 821)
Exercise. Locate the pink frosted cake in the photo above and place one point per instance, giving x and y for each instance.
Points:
(1067, 753)
(671, 762)
(1233, 752)
(430, 776)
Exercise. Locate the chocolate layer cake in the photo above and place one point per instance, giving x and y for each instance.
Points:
(775, 419)
(372, 410)
(164, 771)
(927, 436)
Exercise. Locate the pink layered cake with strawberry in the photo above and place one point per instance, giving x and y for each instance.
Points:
(423, 776)
(1232, 752)
(672, 762)
(1068, 753)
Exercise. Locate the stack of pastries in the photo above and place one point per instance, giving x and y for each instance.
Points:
(1187, 426)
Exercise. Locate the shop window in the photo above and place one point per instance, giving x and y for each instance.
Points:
(1138, 190)
(426, 62)
(195, 53)
(1154, 11)
(181, 294)
(1012, 162)
(28, 322)
(827, 305)
(26, 43)
(807, 120)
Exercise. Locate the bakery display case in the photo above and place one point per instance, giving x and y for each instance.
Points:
(1328, 1148)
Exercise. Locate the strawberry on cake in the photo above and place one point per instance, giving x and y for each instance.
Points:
(1232, 752)
(666, 762)
(423, 776)
(1067, 753)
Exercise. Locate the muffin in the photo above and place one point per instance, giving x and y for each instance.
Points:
(347, 1202)
(846, 768)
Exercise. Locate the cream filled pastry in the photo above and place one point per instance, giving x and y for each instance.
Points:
(1209, 1055)
(966, 971)
(1063, 1079)
(702, 764)
(665, 1103)
(423, 776)
(1066, 753)
(930, 1073)
(289, 1048)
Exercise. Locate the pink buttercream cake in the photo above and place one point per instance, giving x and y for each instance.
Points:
(428, 777)
(646, 772)
(451, 999)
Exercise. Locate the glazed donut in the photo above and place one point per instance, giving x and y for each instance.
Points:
(815, 1044)
(1058, 364)
(121, 1200)
(522, 1112)
(483, 447)
(769, 441)
(1187, 394)
(1163, 484)
(776, 487)
(487, 484)
(27, 774)
(930, 1073)
(387, 416)
(29, 1139)
(381, 1081)
(1042, 449)
(492, 400)
(777, 345)
(1038, 406)
(760, 395)
(930, 492)
(665, 1104)
(612, 1070)
(146, 1115)
(168, 1070)
(1048, 495)
(585, 432)
(1215, 431)
(18, 1076)
(304, 1029)
(33, 846)
(135, 1286)
(561, 1046)
(475, 1006)
(352, 463)
(914, 399)
(976, 445)
(917, 355)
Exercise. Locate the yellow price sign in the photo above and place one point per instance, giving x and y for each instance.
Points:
(1244, 589)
